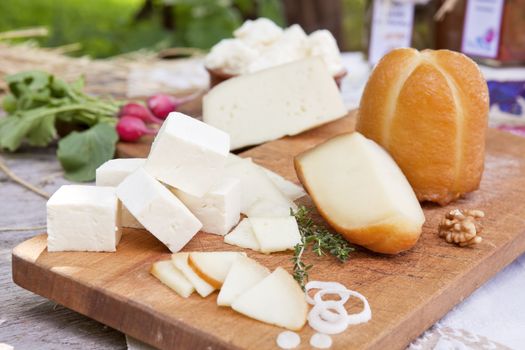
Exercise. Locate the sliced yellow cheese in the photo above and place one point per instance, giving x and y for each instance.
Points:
(168, 274)
(180, 260)
(244, 274)
(275, 234)
(212, 267)
(277, 300)
(242, 236)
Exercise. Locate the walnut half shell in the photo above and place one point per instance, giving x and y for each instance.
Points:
(462, 227)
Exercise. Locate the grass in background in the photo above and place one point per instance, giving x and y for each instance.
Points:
(102, 27)
(105, 28)
(353, 24)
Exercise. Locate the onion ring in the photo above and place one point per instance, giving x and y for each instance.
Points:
(335, 325)
(330, 311)
(361, 317)
(321, 285)
(344, 295)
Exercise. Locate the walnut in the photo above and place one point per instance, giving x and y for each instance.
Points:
(462, 227)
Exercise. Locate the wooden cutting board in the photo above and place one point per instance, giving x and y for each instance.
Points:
(407, 293)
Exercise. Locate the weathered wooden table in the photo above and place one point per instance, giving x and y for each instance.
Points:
(28, 321)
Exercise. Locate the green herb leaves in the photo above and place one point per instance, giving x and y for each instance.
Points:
(37, 101)
(96, 145)
(322, 240)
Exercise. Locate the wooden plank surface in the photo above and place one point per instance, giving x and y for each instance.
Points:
(407, 293)
(28, 321)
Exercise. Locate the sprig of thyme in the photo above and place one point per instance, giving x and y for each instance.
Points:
(322, 240)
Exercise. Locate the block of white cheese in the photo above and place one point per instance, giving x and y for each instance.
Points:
(255, 184)
(272, 103)
(111, 173)
(180, 260)
(267, 208)
(361, 192)
(288, 188)
(159, 210)
(83, 218)
(276, 234)
(219, 209)
(188, 154)
(242, 236)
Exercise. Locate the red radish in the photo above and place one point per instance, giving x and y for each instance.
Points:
(130, 128)
(162, 105)
(139, 111)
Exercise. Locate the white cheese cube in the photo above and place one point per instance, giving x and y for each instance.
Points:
(219, 209)
(272, 103)
(242, 236)
(111, 173)
(188, 154)
(276, 234)
(266, 208)
(255, 184)
(114, 171)
(83, 218)
(288, 188)
(158, 210)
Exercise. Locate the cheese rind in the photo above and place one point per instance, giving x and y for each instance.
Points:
(361, 192)
(83, 218)
(242, 236)
(112, 173)
(275, 234)
(272, 103)
(159, 210)
(213, 266)
(219, 209)
(188, 154)
(180, 260)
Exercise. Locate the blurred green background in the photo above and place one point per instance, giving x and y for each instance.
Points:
(106, 28)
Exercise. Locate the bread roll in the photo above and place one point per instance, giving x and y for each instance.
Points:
(429, 111)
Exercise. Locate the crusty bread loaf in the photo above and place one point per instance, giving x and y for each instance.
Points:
(429, 111)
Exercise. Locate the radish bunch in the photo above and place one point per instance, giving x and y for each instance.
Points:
(134, 118)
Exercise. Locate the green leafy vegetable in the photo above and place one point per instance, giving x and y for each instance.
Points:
(37, 101)
(322, 240)
(97, 144)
